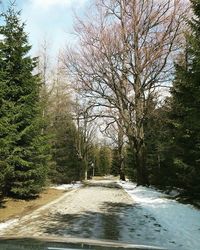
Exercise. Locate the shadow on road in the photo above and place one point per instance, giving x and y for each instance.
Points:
(115, 221)
(108, 184)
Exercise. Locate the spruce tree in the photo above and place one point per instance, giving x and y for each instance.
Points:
(185, 113)
(23, 143)
(6, 129)
(105, 160)
(67, 165)
(159, 146)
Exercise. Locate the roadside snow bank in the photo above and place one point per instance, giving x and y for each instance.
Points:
(13, 222)
(7, 224)
(181, 222)
(33, 216)
(68, 186)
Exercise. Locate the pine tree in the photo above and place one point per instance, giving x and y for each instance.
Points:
(23, 145)
(185, 113)
(159, 146)
(105, 160)
(67, 165)
(6, 132)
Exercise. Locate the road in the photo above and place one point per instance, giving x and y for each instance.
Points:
(88, 212)
(100, 210)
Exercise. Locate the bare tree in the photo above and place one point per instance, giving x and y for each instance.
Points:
(113, 130)
(125, 54)
(85, 133)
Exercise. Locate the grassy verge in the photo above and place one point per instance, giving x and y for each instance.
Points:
(11, 208)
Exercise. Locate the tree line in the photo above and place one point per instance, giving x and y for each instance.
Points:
(128, 55)
(131, 53)
(40, 140)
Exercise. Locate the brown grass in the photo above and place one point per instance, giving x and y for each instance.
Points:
(11, 208)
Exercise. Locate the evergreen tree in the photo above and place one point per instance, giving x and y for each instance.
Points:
(159, 146)
(105, 160)
(23, 144)
(67, 165)
(6, 132)
(185, 113)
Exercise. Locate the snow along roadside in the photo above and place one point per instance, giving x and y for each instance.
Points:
(180, 220)
(75, 185)
(12, 222)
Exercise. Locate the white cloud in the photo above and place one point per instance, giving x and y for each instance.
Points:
(53, 3)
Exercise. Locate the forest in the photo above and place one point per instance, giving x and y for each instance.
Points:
(123, 100)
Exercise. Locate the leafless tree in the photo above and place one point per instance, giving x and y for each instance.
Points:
(85, 133)
(125, 54)
(113, 130)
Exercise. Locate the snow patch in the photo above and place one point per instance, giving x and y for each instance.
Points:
(5, 225)
(68, 186)
(180, 221)
(35, 214)
(174, 193)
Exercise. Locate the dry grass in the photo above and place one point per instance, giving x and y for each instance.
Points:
(11, 208)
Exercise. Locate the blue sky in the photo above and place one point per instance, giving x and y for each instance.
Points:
(49, 19)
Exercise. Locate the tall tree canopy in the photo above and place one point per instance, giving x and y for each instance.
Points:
(185, 110)
(23, 143)
(124, 55)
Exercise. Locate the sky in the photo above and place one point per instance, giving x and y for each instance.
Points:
(50, 20)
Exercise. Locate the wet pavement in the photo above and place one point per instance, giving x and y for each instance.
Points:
(94, 212)
(116, 221)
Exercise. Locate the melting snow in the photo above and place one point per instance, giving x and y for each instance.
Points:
(8, 224)
(5, 225)
(68, 186)
(181, 223)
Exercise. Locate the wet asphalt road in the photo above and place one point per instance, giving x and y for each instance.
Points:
(100, 210)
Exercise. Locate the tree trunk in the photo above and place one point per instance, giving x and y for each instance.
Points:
(142, 175)
(120, 151)
(85, 169)
(86, 175)
(138, 137)
(122, 175)
(121, 164)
